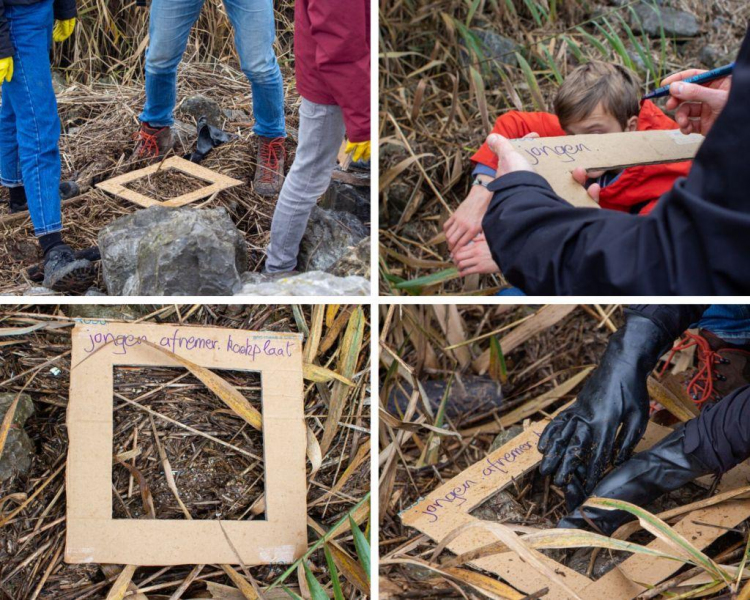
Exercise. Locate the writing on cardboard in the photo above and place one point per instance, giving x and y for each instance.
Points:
(566, 152)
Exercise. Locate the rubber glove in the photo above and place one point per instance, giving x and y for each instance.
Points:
(62, 29)
(581, 442)
(6, 69)
(358, 150)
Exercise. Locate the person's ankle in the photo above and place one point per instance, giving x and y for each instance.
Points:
(17, 198)
(50, 241)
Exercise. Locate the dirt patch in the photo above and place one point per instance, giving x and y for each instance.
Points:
(166, 184)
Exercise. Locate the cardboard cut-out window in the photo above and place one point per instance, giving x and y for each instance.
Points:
(93, 536)
(117, 186)
(448, 507)
(555, 157)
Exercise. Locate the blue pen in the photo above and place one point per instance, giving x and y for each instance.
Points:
(702, 78)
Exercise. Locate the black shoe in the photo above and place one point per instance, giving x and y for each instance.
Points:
(64, 273)
(640, 480)
(68, 189)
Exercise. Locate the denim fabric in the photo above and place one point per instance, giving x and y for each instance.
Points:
(321, 132)
(511, 291)
(731, 322)
(254, 34)
(29, 124)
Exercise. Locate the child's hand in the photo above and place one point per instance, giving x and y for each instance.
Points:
(6, 68)
(697, 106)
(63, 29)
(466, 222)
(580, 175)
(475, 258)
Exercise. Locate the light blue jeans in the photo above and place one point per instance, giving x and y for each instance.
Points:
(29, 124)
(254, 33)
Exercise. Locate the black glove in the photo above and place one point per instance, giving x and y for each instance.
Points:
(579, 444)
(640, 481)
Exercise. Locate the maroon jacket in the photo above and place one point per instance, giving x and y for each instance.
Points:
(332, 58)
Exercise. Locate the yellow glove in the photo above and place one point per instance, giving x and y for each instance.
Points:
(358, 150)
(6, 69)
(62, 29)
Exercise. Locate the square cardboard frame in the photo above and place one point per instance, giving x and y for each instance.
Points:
(447, 507)
(93, 535)
(555, 157)
(217, 181)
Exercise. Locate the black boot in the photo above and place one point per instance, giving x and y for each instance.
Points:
(646, 476)
(64, 273)
(68, 189)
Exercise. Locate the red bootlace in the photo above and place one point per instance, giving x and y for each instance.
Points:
(701, 386)
(270, 152)
(149, 145)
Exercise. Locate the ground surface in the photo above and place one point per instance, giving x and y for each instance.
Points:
(436, 102)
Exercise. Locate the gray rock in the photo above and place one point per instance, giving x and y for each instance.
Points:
(200, 106)
(94, 292)
(349, 198)
(469, 396)
(58, 82)
(19, 449)
(505, 436)
(676, 23)
(121, 312)
(312, 283)
(495, 48)
(356, 261)
(712, 57)
(233, 114)
(163, 251)
(328, 237)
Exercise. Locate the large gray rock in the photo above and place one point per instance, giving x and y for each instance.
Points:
(19, 449)
(200, 106)
(356, 261)
(312, 283)
(329, 235)
(676, 23)
(172, 252)
(354, 199)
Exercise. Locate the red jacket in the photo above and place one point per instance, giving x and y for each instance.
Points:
(636, 189)
(332, 58)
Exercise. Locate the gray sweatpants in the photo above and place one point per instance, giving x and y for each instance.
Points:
(321, 132)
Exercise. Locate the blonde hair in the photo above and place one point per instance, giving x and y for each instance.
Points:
(614, 86)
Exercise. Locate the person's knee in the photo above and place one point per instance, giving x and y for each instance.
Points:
(163, 57)
(261, 69)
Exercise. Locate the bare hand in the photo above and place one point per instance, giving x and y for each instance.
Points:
(475, 258)
(466, 222)
(509, 159)
(581, 176)
(697, 106)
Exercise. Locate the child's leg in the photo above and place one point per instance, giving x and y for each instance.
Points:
(170, 22)
(10, 164)
(32, 99)
(321, 132)
(254, 34)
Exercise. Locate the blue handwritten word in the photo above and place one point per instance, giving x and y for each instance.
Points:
(251, 349)
(493, 468)
(175, 341)
(121, 341)
(565, 150)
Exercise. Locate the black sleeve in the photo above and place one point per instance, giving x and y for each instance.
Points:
(65, 9)
(6, 47)
(673, 318)
(695, 242)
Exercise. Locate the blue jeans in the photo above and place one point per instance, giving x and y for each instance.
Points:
(29, 124)
(254, 33)
(731, 322)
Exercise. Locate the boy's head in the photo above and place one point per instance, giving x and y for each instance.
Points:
(598, 97)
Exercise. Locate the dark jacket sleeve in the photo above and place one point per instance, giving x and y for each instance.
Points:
(695, 242)
(674, 319)
(65, 9)
(6, 47)
(341, 33)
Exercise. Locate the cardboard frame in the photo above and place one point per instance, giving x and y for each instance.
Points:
(555, 157)
(447, 507)
(93, 535)
(217, 181)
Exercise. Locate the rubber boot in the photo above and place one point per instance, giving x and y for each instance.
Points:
(642, 479)
(63, 272)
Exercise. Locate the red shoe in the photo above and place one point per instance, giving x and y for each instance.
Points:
(152, 142)
(269, 174)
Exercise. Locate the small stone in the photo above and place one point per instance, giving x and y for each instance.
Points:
(329, 235)
(58, 82)
(162, 251)
(19, 449)
(495, 48)
(312, 283)
(356, 261)
(200, 106)
(504, 437)
(676, 23)
(711, 56)
(120, 312)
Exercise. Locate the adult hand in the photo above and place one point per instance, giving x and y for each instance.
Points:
(358, 150)
(582, 176)
(63, 29)
(610, 415)
(697, 106)
(509, 159)
(475, 257)
(6, 68)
